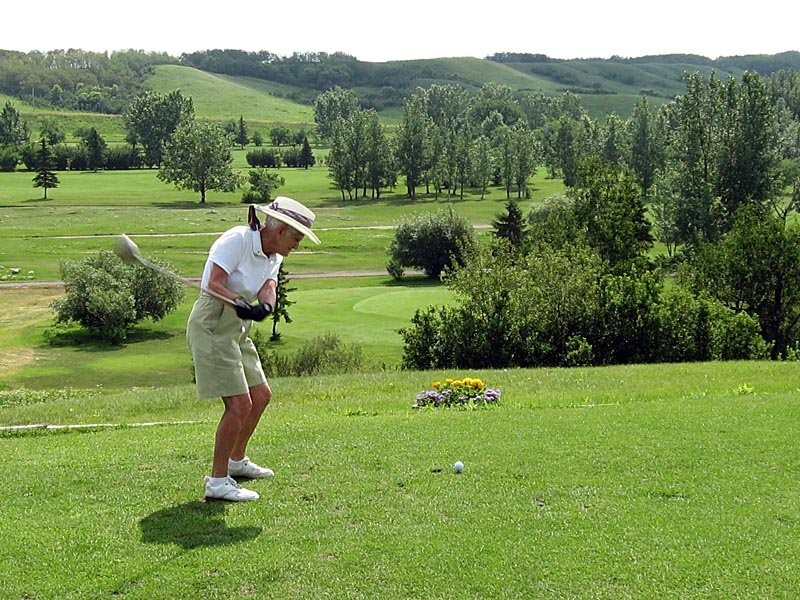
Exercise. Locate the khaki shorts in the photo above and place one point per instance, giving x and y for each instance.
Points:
(225, 359)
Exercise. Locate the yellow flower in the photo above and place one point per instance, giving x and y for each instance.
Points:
(437, 385)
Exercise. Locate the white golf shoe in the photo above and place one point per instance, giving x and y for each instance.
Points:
(245, 468)
(229, 490)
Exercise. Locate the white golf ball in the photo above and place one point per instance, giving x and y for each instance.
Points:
(458, 466)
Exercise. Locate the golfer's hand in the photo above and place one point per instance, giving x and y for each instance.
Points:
(243, 309)
(261, 311)
(246, 311)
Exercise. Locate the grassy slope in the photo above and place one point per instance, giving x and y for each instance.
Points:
(227, 98)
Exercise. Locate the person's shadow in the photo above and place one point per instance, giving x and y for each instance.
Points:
(193, 524)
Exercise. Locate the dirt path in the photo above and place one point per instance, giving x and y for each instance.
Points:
(325, 275)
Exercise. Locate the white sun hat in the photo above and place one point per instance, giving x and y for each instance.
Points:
(293, 213)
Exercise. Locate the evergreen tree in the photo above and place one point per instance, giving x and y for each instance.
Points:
(282, 303)
(241, 133)
(45, 176)
(95, 149)
(511, 225)
(306, 155)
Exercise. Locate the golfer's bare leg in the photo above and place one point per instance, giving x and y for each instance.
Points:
(260, 395)
(237, 411)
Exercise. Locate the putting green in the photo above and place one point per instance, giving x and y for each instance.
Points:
(370, 315)
(402, 303)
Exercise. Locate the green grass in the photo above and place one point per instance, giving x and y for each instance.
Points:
(223, 98)
(80, 216)
(626, 482)
(367, 311)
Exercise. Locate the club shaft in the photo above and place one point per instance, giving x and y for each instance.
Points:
(150, 265)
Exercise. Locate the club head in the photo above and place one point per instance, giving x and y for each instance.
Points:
(126, 249)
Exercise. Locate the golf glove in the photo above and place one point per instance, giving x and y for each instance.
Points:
(247, 311)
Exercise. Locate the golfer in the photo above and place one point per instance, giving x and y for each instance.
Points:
(243, 266)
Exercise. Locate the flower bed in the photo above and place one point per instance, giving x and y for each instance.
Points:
(467, 392)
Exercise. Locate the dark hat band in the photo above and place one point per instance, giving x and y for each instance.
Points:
(302, 219)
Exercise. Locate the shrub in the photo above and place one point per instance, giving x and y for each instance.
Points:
(562, 308)
(323, 355)
(432, 242)
(263, 157)
(107, 296)
(123, 157)
(262, 184)
(8, 159)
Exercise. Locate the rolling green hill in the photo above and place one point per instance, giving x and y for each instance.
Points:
(221, 97)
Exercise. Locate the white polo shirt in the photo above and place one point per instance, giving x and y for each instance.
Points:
(238, 252)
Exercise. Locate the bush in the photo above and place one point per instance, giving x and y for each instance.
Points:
(120, 158)
(263, 157)
(8, 159)
(107, 296)
(432, 242)
(562, 308)
(323, 355)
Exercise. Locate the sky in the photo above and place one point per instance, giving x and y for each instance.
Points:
(376, 31)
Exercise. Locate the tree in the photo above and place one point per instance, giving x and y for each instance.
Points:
(527, 156)
(664, 204)
(481, 161)
(747, 168)
(306, 155)
(380, 167)
(50, 129)
(151, 118)
(280, 135)
(413, 143)
(646, 150)
(332, 106)
(198, 157)
(95, 149)
(45, 176)
(432, 242)
(755, 268)
(241, 133)
(13, 129)
(511, 225)
(615, 140)
(282, 302)
(262, 184)
(693, 149)
(608, 205)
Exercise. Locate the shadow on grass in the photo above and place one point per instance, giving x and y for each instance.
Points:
(193, 525)
(192, 204)
(86, 341)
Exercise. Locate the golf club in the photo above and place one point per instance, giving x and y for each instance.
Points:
(128, 251)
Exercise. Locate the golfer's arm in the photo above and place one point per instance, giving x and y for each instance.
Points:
(218, 280)
(267, 293)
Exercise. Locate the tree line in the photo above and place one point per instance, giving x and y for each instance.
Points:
(78, 79)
